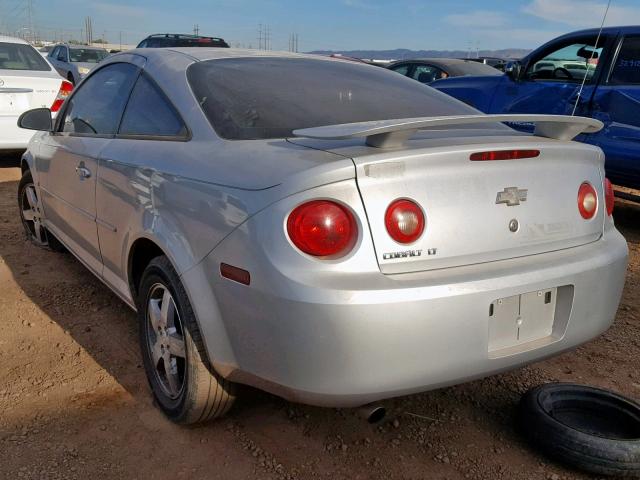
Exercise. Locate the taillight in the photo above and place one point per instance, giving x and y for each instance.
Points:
(504, 155)
(65, 90)
(609, 196)
(404, 220)
(322, 228)
(587, 201)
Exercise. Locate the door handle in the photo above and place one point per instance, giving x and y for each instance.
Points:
(83, 172)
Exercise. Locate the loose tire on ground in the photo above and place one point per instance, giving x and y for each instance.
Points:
(185, 386)
(589, 428)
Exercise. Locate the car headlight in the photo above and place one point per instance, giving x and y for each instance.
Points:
(83, 70)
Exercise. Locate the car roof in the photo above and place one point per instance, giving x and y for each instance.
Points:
(86, 47)
(606, 30)
(6, 39)
(180, 35)
(201, 54)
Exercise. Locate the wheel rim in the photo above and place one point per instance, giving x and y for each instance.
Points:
(165, 338)
(32, 214)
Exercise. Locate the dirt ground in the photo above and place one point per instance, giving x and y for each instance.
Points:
(74, 401)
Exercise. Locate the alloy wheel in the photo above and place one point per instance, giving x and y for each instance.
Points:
(32, 214)
(165, 337)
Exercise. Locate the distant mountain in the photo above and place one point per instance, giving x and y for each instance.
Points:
(401, 53)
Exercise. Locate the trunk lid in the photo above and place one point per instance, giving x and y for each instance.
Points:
(464, 223)
(23, 90)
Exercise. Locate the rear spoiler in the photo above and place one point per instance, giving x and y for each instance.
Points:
(393, 133)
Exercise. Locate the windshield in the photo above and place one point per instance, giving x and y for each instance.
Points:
(18, 56)
(86, 55)
(256, 98)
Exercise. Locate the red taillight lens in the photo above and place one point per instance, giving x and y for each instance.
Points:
(609, 196)
(65, 90)
(404, 221)
(322, 228)
(587, 201)
(504, 155)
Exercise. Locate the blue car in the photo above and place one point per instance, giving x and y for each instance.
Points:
(573, 74)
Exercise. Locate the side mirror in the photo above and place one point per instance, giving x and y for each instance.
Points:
(513, 70)
(36, 119)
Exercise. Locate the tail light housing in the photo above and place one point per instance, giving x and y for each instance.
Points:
(404, 220)
(65, 90)
(322, 228)
(609, 196)
(587, 201)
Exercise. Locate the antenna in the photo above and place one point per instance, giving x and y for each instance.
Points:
(584, 80)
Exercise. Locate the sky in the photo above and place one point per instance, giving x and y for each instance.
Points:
(327, 24)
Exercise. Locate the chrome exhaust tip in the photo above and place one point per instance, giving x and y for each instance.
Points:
(372, 413)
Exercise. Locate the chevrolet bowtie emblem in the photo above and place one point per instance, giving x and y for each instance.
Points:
(512, 196)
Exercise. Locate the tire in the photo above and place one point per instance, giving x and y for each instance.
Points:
(590, 428)
(30, 209)
(184, 385)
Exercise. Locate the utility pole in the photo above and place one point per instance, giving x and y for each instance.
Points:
(121, 40)
(196, 29)
(89, 30)
(268, 39)
(260, 36)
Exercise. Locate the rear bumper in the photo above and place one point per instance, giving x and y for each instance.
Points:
(395, 335)
(13, 137)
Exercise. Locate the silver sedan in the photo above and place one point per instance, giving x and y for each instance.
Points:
(328, 231)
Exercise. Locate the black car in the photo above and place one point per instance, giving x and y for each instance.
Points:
(427, 70)
(164, 40)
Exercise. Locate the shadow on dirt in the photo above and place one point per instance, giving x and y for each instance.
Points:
(10, 159)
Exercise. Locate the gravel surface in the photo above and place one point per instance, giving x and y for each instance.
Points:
(74, 402)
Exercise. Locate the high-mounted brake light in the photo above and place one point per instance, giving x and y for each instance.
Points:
(404, 220)
(65, 90)
(609, 196)
(504, 155)
(587, 201)
(322, 228)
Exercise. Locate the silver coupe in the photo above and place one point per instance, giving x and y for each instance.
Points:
(328, 231)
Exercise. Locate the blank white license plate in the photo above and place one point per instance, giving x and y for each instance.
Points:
(13, 102)
(521, 318)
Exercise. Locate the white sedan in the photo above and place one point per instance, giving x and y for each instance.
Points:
(27, 81)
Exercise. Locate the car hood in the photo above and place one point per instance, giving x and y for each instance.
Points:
(470, 80)
(477, 91)
(79, 65)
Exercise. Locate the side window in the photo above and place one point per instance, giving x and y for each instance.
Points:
(570, 63)
(627, 68)
(62, 54)
(402, 69)
(150, 113)
(54, 53)
(427, 73)
(96, 107)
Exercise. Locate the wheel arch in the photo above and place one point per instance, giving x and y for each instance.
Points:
(141, 252)
(203, 302)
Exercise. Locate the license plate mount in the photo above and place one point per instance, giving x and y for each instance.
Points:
(520, 319)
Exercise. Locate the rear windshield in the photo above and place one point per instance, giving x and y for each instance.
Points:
(258, 98)
(87, 55)
(18, 56)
